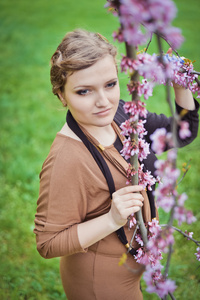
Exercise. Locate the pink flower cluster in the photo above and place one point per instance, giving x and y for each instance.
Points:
(145, 179)
(160, 139)
(153, 71)
(130, 148)
(155, 16)
(166, 194)
(159, 241)
(162, 286)
(198, 253)
(139, 20)
(185, 76)
(131, 126)
(135, 109)
(184, 131)
(139, 147)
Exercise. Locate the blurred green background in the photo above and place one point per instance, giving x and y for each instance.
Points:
(30, 116)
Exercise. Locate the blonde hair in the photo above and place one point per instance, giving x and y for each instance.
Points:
(78, 50)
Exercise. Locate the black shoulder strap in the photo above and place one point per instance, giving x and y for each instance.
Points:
(93, 150)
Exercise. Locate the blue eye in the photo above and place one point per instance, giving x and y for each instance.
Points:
(112, 84)
(82, 92)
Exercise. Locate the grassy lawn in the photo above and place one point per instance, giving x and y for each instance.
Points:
(30, 116)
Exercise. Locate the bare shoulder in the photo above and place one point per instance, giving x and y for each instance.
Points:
(68, 132)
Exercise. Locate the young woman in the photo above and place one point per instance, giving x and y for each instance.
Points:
(76, 218)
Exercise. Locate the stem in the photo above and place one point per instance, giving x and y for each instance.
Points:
(150, 40)
(136, 228)
(172, 296)
(131, 53)
(175, 143)
(183, 233)
(197, 81)
(168, 262)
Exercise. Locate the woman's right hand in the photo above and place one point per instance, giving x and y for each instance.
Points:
(125, 202)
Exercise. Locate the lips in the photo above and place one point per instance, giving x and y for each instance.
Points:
(103, 112)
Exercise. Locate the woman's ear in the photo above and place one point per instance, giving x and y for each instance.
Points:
(62, 99)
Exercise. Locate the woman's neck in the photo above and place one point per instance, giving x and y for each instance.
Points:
(106, 135)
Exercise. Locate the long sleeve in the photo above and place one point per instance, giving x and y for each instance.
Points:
(67, 185)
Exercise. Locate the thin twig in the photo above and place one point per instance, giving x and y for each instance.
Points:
(134, 233)
(184, 173)
(168, 261)
(183, 233)
(195, 72)
(197, 80)
(172, 296)
(150, 40)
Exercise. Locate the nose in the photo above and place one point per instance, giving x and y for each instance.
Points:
(102, 99)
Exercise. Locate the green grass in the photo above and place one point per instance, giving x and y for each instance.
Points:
(30, 116)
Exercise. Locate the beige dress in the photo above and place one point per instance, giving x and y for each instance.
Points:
(73, 190)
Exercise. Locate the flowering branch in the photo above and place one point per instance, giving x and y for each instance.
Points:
(155, 69)
(187, 235)
(134, 78)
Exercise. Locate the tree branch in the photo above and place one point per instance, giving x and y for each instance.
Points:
(183, 233)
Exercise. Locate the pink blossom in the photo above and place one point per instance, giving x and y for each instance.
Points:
(164, 287)
(165, 202)
(184, 131)
(181, 199)
(162, 11)
(180, 214)
(154, 227)
(113, 5)
(139, 240)
(156, 283)
(198, 254)
(184, 76)
(129, 148)
(173, 35)
(172, 155)
(127, 64)
(149, 67)
(145, 178)
(190, 218)
(154, 15)
(190, 234)
(128, 127)
(165, 193)
(130, 173)
(145, 88)
(135, 108)
(132, 221)
(142, 257)
(118, 35)
(165, 168)
(143, 149)
(160, 139)
(161, 239)
(133, 35)
(141, 129)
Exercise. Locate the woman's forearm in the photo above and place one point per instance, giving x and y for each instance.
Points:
(184, 97)
(125, 202)
(96, 229)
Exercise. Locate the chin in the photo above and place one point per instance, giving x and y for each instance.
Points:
(105, 122)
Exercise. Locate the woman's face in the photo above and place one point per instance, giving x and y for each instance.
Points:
(92, 94)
